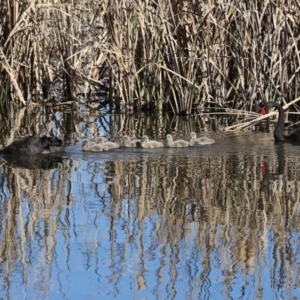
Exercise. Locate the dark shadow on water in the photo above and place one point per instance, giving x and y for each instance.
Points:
(43, 162)
(281, 158)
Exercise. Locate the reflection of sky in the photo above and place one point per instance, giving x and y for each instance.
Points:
(97, 247)
(91, 127)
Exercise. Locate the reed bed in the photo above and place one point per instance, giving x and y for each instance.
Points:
(164, 55)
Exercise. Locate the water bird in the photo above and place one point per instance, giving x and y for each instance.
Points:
(176, 144)
(56, 146)
(107, 145)
(30, 145)
(146, 143)
(199, 141)
(54, 149)
(91, 147)
(279, 128)
(131, 143)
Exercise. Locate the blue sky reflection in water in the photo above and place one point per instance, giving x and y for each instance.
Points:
(202, 223)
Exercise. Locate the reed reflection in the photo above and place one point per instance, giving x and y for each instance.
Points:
(187, 226)
(224, 205)
(32, 193)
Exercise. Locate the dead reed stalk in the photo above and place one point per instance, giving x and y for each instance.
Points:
(164, 55)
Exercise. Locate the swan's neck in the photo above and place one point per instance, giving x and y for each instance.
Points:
(279, 128)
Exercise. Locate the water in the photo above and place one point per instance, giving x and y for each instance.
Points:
(209, 222)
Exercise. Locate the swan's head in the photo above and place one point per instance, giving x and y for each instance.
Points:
(261, 107)
(145, 138)
(193, 135)
(100, 140)
(169, 137)
(126, 138)
(265, 107)
(85, 143)
(54, 141)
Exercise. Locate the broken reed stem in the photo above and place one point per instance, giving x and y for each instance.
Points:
(242, 126)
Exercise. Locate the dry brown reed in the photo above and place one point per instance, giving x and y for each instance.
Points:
(256, 119)
(178, 56)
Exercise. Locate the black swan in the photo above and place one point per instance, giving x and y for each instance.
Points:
(28, 145)
(278, 132)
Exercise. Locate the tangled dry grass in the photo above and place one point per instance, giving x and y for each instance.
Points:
(163, 55)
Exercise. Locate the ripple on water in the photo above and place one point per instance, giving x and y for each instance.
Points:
(195, 223)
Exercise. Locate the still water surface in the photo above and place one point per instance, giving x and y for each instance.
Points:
(208, 222)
